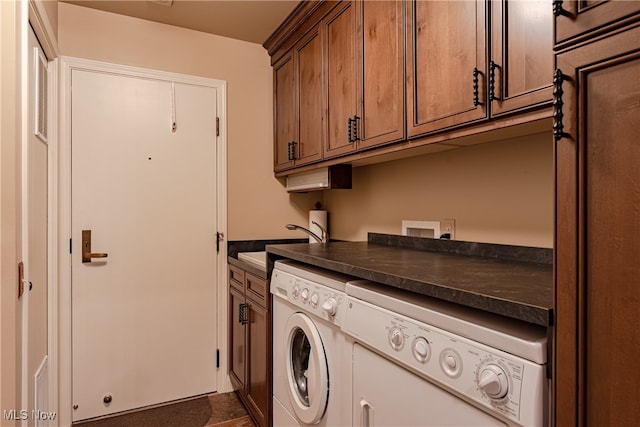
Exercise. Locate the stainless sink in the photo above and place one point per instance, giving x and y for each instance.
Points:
(257, 259)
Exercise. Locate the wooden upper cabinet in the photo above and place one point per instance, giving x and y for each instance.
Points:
(521, 61)
(285, 108)
(381, 116)
(298, 104)
(309, 73)
(446, 64)
(579, 19)
(339, 28)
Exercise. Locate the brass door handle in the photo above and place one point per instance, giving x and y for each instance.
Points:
(87, 255)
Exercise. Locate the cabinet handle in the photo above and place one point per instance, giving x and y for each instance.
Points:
(476, 90)
(291, 150)
(352, 129)
(492, 81)
(558, 10)
(558, 116)
(356, 129)
(242, 313)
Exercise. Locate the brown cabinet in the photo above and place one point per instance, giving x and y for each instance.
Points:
(298, 107)
(397, 70)
(446, 62)
(578, 20)
(521, 61)
(454, 80)
(250, 342)
(364, 76)
(597, 331)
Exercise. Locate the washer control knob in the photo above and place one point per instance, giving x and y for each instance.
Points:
(396, 338)
(421, 349)
(330, 306)
(295, 292)
(304, 294)
(451, 362)
(315, 298)
(493, 381)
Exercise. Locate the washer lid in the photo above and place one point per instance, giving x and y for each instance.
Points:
(306, 367)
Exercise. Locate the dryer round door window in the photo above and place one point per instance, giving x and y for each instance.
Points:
(306, 366)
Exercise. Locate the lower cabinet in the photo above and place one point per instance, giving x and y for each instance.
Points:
(250, 342)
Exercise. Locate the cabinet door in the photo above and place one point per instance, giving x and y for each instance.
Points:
(446, 54)
(285, 111)
(575, 19)
(339, 28)
(598, 235)
(381, 87)
(237, 339)
(521, 70)
(308, 53)
(259, 358)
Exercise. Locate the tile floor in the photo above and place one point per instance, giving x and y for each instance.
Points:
(219, 410)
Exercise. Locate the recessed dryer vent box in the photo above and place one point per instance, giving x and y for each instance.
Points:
(421, 229)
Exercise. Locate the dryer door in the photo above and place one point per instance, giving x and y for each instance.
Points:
(306, 365)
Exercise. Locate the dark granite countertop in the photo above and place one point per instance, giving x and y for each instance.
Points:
(471, 274)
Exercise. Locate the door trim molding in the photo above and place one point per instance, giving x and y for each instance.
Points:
(60, 303)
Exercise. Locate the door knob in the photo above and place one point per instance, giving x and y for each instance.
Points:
(86, 248)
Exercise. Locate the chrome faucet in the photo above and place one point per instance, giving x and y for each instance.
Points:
(325, 233)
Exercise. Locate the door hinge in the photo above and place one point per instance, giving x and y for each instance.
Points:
(217, 358)
(219, 238)
(217, 126)
(20, 279)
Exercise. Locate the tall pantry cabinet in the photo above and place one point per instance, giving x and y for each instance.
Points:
(597, 146)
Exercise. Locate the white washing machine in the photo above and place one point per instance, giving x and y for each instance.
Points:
(311, 367)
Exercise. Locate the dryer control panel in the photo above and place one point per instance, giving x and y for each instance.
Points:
(505, 385)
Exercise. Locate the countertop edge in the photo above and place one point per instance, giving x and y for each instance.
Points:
(513, 309)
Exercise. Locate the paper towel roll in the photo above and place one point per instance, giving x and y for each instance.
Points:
(319, 216)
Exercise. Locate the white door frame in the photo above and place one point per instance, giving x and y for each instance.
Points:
(60, 303)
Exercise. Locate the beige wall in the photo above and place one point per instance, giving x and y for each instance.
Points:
(258, 207)
(51, 9)
(10, 134)
(499, 192)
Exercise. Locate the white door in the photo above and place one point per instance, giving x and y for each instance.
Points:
(143, 318)
(35, 190)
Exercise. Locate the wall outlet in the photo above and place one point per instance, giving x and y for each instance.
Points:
(448, 225)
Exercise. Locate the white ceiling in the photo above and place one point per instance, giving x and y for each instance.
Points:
(250, 20)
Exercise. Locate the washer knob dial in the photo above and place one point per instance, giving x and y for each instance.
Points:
(315, 298)
(295, 292)
(421, 349)
(330, 306)
(493, 381)
(305, 295)
(396, 338)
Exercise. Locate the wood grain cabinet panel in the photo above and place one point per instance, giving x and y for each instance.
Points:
(597, 332)
(381, 113)
(364, 76)
(446, 64)
(578, 20)
(339, 29)
(298, 104)
(521, 60)
(250, 343)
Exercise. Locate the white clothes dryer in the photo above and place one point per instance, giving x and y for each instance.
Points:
(311, 365)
